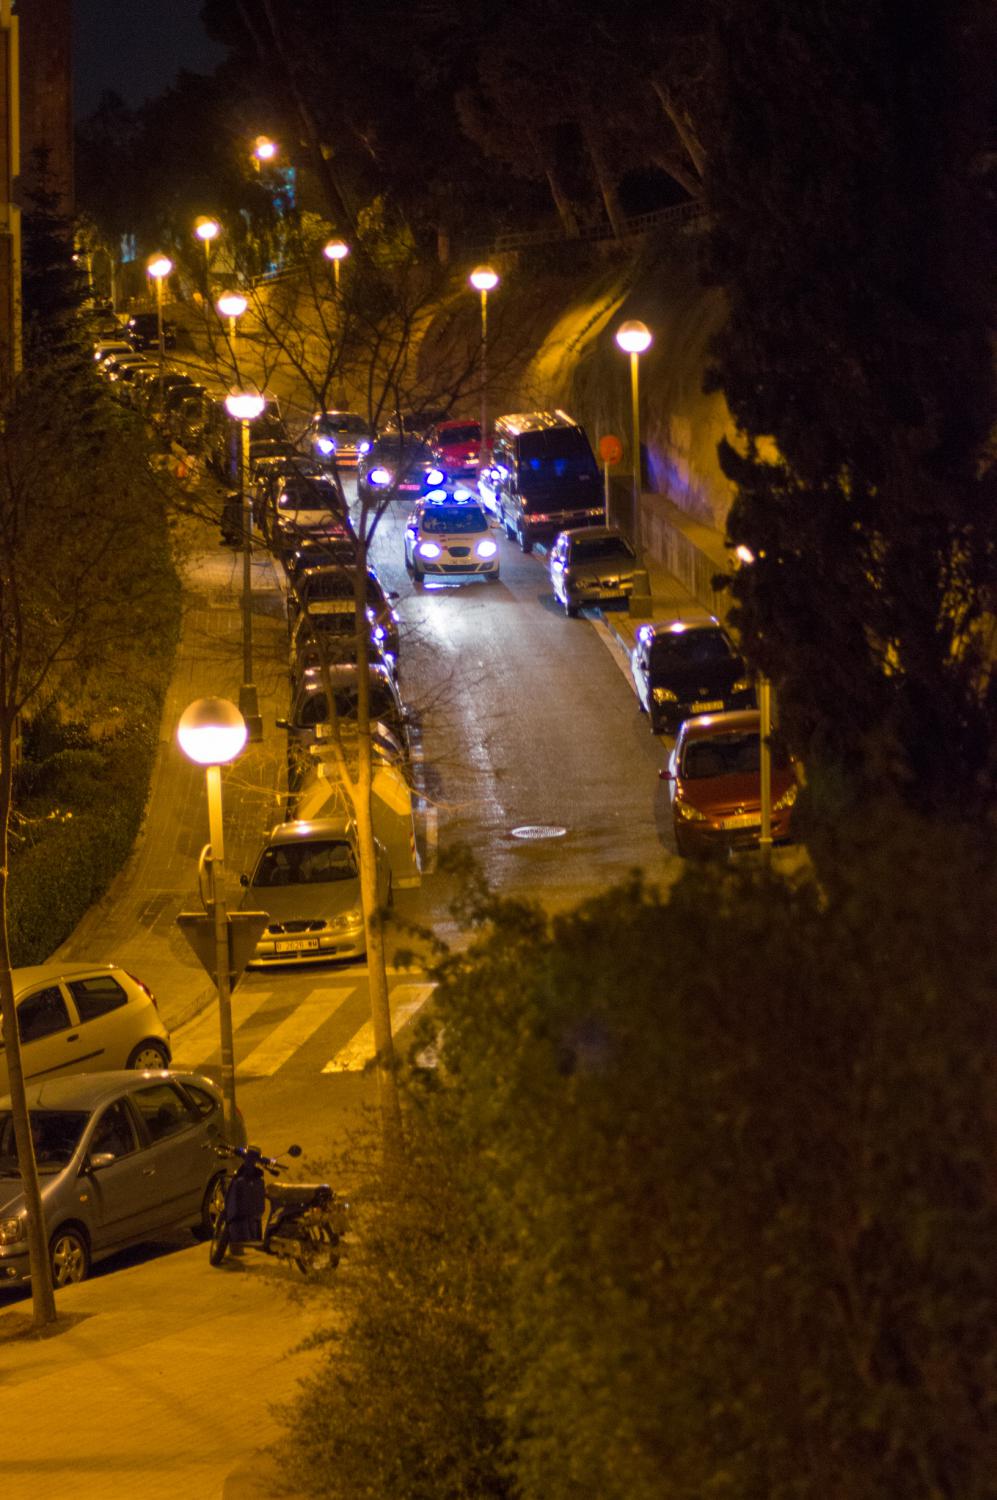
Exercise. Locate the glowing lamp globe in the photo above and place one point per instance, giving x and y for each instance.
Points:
(244, 406)
(633, 337)
(211, 731)
(231, 305)
(159, 266)
(264, 148)
(207, 229)
(483, 279)
(336, 250)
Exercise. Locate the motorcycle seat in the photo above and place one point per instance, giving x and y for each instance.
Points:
(299, 1192)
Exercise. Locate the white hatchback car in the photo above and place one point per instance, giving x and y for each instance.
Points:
(84, 1018)
(449, 538)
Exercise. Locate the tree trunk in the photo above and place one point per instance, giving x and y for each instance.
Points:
(563, 204)
(683, 128)
(43, 1297)
(604, 178)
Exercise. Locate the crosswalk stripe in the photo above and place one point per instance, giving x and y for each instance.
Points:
(406, 1000)
(286, 1038)
(199, 1040)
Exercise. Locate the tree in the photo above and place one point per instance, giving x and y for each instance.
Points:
(849, 182)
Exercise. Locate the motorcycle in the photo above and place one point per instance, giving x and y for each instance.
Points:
(298, 1222)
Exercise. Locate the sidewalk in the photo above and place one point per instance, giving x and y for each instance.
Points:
(158, 1382)
(670, 600)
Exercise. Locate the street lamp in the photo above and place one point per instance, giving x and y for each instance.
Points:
(211, 733)
(159, 267)
(336, 251)
(484, 280)
(231, 305)
(244, 407)
(207, 230)
(264, 149)
(634, 338)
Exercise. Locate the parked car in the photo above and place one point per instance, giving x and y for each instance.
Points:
(327, 633)
(714, 782)
(592, 565)
(122, 1158)
(307, 878)
(340, 437)
(301, 506)
(308, 718)
(110, 349)
(142, 331)
(328, 551)
(397, 464)
(315, 587)
(129, 380)
(456, 446)
(84, 1018)
(450, 538)
(542, 478)
(685, 667)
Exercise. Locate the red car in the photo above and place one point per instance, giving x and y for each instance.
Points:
(714, 783)
(456, 446)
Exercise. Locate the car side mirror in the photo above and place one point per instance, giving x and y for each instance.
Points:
(100, 1159)
(665, 775)
(393, 594)
(244, 879)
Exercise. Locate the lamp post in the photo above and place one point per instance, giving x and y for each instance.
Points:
(159, 267)
(207, 231)
(231, 305)
(264, 149)
(211, 733)
(336, 251)
(765, 765)
(244, 406)
(634, 338)
(484, 280)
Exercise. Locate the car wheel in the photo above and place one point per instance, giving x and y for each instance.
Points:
(525, 544)
(149, 1054)
(69, 1255)
(212, 1206)
(571, 610)
(417, 574)
(493, 577)
(510, 530)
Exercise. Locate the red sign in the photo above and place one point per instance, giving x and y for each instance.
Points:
(610, 449)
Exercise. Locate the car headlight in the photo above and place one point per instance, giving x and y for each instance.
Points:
(13, 1230)
(347, 919)
(363, 446)
(487, 548)
(428, 549)
(325, 445)
(435, 476)
(686, 813)
(664, 695)
(741, 685)
(379, 476)
(379, 633)
(787, 799)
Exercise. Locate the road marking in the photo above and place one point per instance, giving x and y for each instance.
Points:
(199, 1039)
(406, 1000)
(292, 1033)
(615, 650)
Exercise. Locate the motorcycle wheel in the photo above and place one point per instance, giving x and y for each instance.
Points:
(219, 1241)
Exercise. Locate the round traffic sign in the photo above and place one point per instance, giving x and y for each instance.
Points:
(610, 449)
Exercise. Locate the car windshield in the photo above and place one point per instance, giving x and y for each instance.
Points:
(394, 445)
(690, 649)
(382, 705)
(470, 433)
(450, 518)
(557, 459)
(595, 548)
(315, 862)
(344, 423)
(55, 1132)
(727, 755)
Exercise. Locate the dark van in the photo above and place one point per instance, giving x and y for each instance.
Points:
(543, 477)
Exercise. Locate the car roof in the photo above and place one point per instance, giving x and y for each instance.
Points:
(458, 422)
(89, 1090)
(678, 626)
(298, 831)
(32, 974)
(709, 726)
(595, 531)
(534, 421)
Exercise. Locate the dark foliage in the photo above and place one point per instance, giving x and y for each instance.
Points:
(851, 191)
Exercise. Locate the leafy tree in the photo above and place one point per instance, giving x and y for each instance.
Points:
(849, 181)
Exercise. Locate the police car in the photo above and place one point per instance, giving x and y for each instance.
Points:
(447, 535)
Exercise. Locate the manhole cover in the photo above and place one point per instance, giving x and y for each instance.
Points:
(533, 831)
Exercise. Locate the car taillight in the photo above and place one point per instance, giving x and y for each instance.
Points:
(144, 988)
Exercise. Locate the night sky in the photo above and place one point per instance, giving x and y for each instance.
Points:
(136, 47)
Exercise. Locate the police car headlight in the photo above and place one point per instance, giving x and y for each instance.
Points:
(428, 549)
(487, 548)
(379, 476)
(325, 445)
(363, 446)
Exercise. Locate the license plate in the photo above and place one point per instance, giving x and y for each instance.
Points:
(707, 708)
(743, 820)
(293, 947)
